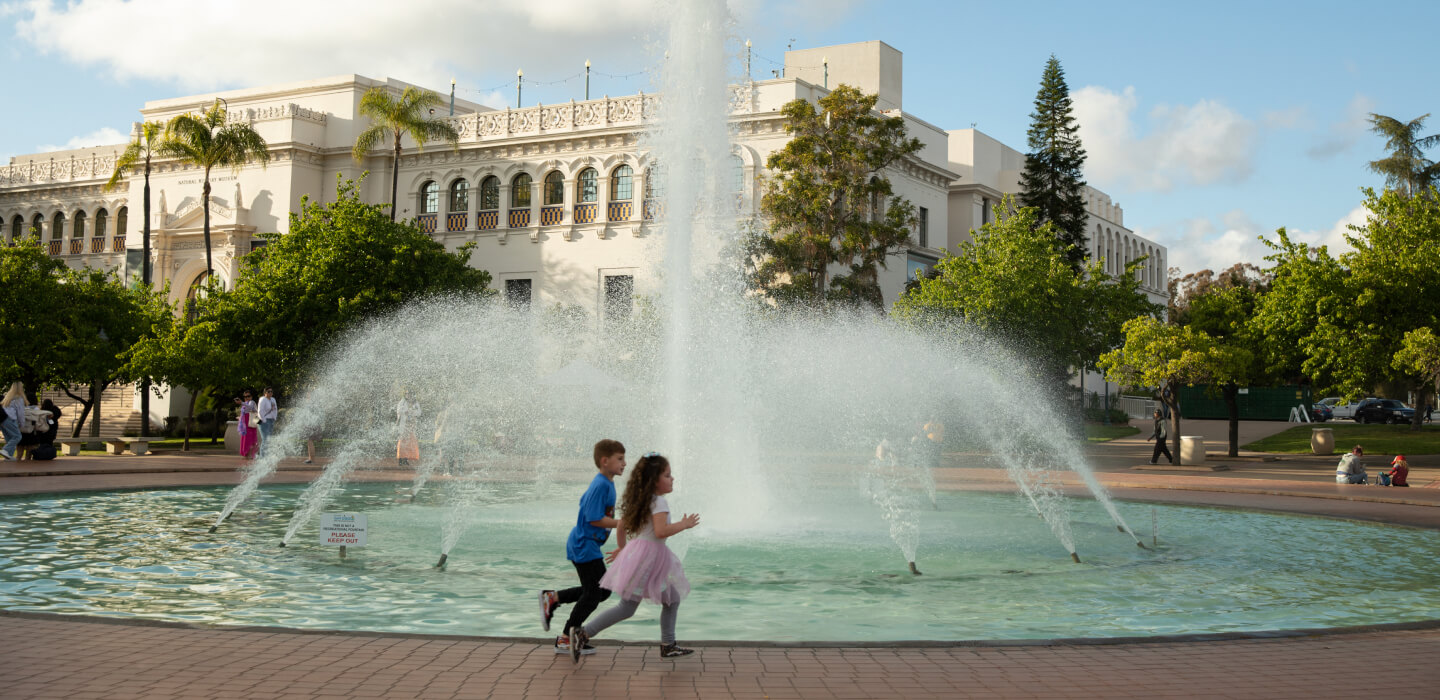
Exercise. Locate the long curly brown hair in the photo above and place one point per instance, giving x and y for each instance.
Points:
(640, 492)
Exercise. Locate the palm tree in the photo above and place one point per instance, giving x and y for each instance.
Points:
(392, 118)
(142, 150)
(1406, 168)
(206, 141)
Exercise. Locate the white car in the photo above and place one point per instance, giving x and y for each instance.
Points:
(1340, 407)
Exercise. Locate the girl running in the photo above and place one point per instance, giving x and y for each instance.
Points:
(644, 568)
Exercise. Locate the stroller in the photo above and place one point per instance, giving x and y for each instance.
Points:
(38, 427)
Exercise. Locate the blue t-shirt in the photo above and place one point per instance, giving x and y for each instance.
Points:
(585, 539)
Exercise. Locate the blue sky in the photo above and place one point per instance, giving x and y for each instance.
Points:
(1210, 123)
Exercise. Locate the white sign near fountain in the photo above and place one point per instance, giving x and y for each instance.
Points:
(342, 529)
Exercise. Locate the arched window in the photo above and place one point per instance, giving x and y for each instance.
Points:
(102, 218)
(121, 218)
(429, 197)
(654, 182)
(490, 193)
(554, 188)
(17, 228)
(621, 186)
(737, 174)
(520, 191)
(79, 227)
(589, 186)
(877, 202)
(460, 195)
(57, 229)
(198, 287)
(38, 224)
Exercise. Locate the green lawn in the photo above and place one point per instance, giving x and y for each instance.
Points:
(1099, 432)
(1376, 439)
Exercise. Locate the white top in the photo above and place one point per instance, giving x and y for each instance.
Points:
(15, 410)
(1349, 465)
(269, 410)
(647, 531)
(407, 412)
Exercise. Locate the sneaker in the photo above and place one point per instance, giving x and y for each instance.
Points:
(672, 651)
(562, 646)
(548, 601)
(578, 642)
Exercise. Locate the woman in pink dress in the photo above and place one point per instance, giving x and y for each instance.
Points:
(249, 437)
(644, 568)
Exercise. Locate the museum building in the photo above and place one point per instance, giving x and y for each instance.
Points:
(558, 199)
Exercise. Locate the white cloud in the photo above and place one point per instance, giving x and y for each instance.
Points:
(103, 136)
(1201, 243)
(229, 43)
(1200, 144)
(1346, 131)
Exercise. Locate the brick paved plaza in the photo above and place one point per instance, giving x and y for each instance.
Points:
(56, 656)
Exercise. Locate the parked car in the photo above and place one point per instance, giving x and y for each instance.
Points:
(1320, 413)
(1383, 411)
(1339, 406)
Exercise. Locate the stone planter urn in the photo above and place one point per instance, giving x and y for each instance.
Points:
(232, 435)
(1192, 450)
(1322, 441)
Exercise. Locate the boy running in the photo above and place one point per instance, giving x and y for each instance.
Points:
(592, 528)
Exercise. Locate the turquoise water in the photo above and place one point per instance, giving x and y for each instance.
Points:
(991, 569)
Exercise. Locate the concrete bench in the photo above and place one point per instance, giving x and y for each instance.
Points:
(113, 445)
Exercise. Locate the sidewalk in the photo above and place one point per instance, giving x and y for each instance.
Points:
(54, 656)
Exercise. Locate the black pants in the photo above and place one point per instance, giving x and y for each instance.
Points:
(1161, 449)
(587, 596)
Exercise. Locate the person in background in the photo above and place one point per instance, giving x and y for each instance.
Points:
(249, 436)
(407, 414)
(13, 406)
(1161, 436)
(1350, 470)
(1399, 474)
(269, 412)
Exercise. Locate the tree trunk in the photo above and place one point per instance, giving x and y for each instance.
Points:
(189, 418)
(395, 177)
(97, 392)
(145, 278)
(1422, 402)
(84, 410)
(1232, 407)
(205, 204)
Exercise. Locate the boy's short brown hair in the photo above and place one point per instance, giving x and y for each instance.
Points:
(605, 448)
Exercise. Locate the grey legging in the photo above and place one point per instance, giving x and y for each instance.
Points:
(624, 609)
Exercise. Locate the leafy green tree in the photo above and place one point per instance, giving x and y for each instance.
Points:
(830, 203)
(197, 355)
(340, 263)
(1347, 318)
(1419, 355)
(207, 142)
(1406, 169)
(1052, 181)
(1224, 312)
(1011, 281)
(393, 119)
(103, 317)
(1161, 355)
(32, 315)
(1304, 284)
(141, 151)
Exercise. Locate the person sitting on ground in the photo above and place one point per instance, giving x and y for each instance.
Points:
(1350, 470)
(1399, 473)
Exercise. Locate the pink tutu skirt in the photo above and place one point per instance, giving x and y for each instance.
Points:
(647, 570)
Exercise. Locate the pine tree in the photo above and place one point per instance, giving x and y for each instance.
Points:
(1052, 181)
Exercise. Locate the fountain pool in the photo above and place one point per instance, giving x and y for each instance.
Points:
(990, 570)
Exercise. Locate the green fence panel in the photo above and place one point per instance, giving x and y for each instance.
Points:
(1255, 403)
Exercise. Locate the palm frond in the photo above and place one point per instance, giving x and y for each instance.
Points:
(368, 139)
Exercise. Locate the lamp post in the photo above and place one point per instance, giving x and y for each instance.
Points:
(452, 97)
(519, 85)
(825, 61)
(587, 78)
(747, 60)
